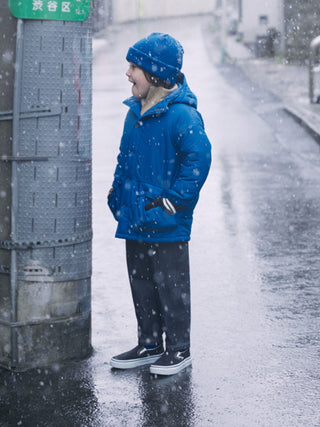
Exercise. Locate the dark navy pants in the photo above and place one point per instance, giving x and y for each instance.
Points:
(160, 285)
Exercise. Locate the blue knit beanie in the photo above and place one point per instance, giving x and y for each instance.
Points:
(160, 54)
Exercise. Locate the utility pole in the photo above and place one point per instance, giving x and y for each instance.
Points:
(110, 12)
(223, 29)
(141, 9)
(45, 190)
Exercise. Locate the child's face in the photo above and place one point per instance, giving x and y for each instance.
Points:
(141, 85)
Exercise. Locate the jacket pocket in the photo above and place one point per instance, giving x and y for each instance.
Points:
(154, 220)
(157, 220)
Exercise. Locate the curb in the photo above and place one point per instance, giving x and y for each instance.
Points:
(304, 121)
(304, 113)
(308, 116)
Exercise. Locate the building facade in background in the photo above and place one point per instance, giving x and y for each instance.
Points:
(130, 10)
(291, 23)
(269, 27)
(255, 18)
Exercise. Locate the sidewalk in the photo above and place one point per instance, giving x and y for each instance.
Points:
(287, 81)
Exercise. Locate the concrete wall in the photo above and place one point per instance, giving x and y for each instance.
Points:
(302, 24)
(124, 10)
(128, 10)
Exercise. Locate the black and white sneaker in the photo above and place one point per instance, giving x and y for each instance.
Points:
(171, 362)
(138, 356)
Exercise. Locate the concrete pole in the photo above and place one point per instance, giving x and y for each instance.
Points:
(45, 191)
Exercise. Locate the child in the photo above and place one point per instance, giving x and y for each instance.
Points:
(163, 162)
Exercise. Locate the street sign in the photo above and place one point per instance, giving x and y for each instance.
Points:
(58, 10)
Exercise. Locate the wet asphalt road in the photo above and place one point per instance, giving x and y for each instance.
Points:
(254, 269)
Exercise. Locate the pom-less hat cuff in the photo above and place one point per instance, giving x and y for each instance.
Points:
(154, 66)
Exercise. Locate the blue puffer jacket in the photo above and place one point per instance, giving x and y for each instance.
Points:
(163, 153)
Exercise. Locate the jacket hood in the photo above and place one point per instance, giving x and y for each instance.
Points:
(182, 95)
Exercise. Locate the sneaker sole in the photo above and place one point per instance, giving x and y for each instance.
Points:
(134, 363)
(170, 370)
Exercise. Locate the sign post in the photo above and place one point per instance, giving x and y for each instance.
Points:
(57, 10)
(46, 180)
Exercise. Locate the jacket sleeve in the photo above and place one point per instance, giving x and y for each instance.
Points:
(114, 196)
(119, 170)
(194, 151)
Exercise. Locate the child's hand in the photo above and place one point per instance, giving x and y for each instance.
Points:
(165, 204)
(110, 192)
